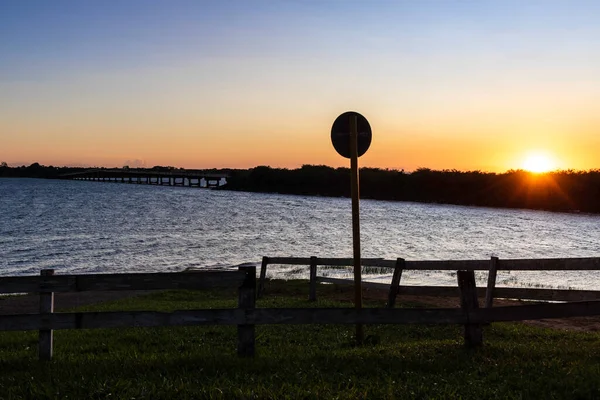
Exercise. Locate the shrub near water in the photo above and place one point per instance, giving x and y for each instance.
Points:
(297, 361)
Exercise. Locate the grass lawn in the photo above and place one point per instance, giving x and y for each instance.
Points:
(297, 361)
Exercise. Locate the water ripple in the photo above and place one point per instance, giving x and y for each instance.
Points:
(85, 227)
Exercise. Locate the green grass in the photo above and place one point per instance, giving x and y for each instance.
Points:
(297, 361)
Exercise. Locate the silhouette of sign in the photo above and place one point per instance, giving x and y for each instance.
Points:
(340, 134)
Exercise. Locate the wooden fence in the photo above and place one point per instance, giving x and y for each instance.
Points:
(47, 320)
(246, 315)
(493, 265)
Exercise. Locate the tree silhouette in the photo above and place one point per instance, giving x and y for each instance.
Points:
(555, 191)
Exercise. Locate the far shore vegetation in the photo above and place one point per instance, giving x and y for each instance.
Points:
(564, 190)
(517, 361)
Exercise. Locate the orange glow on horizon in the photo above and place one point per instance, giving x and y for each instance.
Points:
(398, 143)
(293, 151)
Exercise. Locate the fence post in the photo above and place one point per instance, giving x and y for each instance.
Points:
(489, 294)
(468, 302)
(46, 307)
(312, 296)
(247, 302)
(263, 276)
(395, 286)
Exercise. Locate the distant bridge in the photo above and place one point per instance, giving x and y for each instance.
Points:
(174, 177)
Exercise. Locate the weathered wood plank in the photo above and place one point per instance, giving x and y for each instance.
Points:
(33, 284)
(448, 265)
(535, 311)
(144, 281)
(334, 262)
(549, 264)
(491, 284)
(247, 302)
(45, 341)
(121, 319)
(468, 302)
(357, 316)
(263, 276)
(499, 292)
(395, 285)
(546, 294)
(312, 295)
(444, 265)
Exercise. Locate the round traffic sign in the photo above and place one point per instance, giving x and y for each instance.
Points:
(340, 134)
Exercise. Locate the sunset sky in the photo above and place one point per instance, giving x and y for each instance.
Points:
(198, 84)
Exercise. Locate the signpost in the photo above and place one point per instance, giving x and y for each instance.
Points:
(351, 137)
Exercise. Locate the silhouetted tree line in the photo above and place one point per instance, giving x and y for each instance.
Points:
(555, 191)
(35, 170)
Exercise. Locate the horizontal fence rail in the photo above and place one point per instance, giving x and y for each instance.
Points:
(268, 316)
(499, 292)
(492, 265)
(541, 264)
(110, 282)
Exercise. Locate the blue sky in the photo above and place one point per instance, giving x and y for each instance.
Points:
(422, 70)
(55, 36)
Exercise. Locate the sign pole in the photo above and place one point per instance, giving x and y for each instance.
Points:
(351, 137)
(356, 222)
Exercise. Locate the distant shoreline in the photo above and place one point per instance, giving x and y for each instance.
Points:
(560, 191)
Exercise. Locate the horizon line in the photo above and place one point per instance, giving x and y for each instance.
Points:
(511, 170)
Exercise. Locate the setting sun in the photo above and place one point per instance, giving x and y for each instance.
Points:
(538, 162)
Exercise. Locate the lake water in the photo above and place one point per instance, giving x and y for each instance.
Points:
(88, 227)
